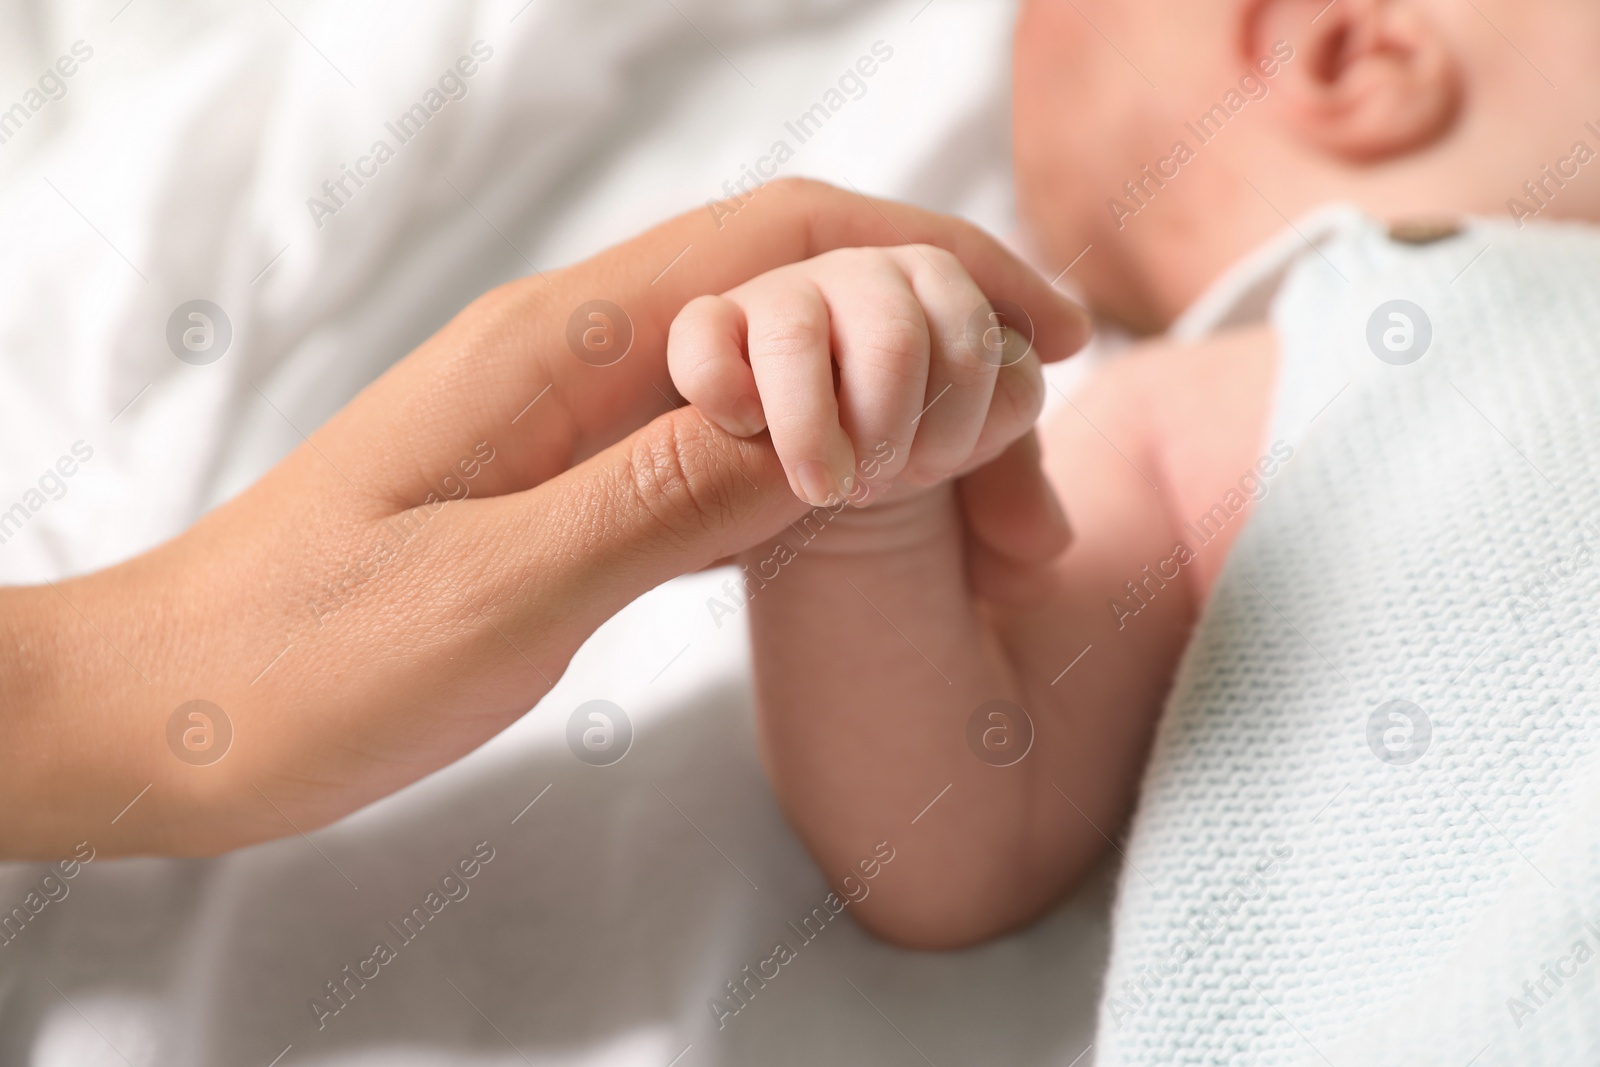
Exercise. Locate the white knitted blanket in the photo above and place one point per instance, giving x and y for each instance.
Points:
(1368, 832)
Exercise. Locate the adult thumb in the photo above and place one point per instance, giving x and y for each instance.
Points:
(557, 560)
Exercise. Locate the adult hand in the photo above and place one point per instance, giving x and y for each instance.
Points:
(418, 573)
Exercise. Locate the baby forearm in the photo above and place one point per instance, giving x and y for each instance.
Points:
(872, 662)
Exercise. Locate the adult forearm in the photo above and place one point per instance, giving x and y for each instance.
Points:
(145, 703)
(342, 647)
(36, 636)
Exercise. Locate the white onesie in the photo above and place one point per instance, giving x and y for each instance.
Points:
(1367, 834)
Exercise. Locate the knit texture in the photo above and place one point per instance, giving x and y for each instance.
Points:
(1318, 875)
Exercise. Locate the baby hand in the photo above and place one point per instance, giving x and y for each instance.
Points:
(868, 365)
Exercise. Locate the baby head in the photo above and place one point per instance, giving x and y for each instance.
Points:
(1169, 137)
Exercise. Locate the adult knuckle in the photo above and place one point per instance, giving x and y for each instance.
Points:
(673, 481)
(798, 186)
(801, 200)
(940, 258)
(858, 257)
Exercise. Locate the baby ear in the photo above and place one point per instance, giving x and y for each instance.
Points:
(1364, 79)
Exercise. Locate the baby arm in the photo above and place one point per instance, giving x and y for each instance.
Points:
(883, 640)
(887, 629)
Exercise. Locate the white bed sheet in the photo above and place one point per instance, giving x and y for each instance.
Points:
(177, 166)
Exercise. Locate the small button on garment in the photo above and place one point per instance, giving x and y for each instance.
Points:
(1424, 229)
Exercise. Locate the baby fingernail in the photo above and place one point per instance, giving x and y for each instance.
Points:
(748, 414)
(816, 482)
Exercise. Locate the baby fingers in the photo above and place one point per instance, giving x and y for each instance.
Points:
(705, 356)
(791, 356)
